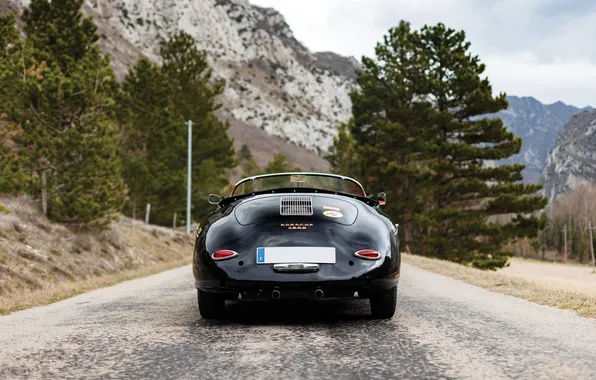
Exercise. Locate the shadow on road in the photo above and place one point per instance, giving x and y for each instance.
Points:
(299, 312)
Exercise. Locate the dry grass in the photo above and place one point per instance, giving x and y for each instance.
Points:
(536, 290)
(42, 262)
(57, 292)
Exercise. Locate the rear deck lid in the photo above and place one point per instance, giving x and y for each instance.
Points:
(296, 207)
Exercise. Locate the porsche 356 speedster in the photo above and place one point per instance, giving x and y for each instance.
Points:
(297, 235)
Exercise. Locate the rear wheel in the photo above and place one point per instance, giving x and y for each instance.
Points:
(383, 303)
(211, 305)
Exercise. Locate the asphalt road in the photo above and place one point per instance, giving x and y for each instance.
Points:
(150, 328)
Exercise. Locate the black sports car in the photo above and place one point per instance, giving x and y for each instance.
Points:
(297, 235)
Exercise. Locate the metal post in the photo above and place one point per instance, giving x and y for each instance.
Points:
(592, 248)
(188, 185)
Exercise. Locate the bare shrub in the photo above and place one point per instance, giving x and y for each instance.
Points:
(571, 212)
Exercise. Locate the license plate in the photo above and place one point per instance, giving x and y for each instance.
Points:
(283, 255)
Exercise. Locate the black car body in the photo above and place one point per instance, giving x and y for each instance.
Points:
(297, 239)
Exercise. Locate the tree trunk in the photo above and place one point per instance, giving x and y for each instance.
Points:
(44, 193)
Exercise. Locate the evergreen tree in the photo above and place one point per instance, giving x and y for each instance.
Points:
(152, 143)
(65, 111)
(247, 162)
(344, 156)
(12, 179)
(156, 104)
(390, 126)
(465, 190)
(280, 164)
(193, 97)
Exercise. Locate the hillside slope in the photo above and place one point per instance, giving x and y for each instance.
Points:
(37, 256)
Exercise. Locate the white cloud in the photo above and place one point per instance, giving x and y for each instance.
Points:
(540, 48)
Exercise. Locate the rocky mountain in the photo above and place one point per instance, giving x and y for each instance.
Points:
(273, 82)
(572, 161)
(538, 125)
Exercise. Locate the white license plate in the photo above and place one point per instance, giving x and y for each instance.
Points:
(283, 255)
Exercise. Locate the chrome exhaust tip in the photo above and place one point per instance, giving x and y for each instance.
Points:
(276, 294)
(319, 293)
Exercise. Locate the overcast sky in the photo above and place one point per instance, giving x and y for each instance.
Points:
(540, 48)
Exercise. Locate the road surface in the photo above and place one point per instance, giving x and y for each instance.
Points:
(150, 328)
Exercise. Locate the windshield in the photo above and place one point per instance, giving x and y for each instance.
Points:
(299, 180)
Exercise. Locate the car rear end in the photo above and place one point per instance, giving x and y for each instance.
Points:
(283, 246)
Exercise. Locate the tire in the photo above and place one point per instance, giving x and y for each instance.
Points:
(211, 305)
(383, 303)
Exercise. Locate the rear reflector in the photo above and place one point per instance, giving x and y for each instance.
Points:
(368, 254)
(223, 254)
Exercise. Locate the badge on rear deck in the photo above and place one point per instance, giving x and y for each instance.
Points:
(333, 214)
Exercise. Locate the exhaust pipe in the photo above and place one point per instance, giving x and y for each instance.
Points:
(319, 293)
(275, 294)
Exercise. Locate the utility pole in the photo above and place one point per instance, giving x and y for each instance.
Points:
(592, 247)
(188, 190)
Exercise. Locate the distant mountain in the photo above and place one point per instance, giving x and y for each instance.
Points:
(572, 161)
(538, 125)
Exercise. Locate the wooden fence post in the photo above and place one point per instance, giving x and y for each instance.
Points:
(147, 213)
(565, 254)
(592, 248)
(544, 244)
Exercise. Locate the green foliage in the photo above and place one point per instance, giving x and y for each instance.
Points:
(343, 154)
(391, 127)
(155, 106)
(280, 164)
(247, 162)
(59, 33)
(465, 190)
(62, 96)
(4, 210)
(9, 35)
(419, 133)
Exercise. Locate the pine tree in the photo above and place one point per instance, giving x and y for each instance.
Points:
(343, 155)
(12, 179)
(193, 97)
(465, 189)
(156, 104)
(391, 125)
(280, 164)
(247, 162)
(152, 143)
(65, 112)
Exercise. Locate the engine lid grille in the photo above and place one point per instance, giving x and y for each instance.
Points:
(296, 206)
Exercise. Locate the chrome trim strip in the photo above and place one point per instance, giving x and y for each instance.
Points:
(296, 268)
(298, 173)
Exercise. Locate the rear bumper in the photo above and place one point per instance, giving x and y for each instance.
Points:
(331, 289)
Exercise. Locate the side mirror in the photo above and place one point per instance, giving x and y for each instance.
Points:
(382, 199)
(214, 199)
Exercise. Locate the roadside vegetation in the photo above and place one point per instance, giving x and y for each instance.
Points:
(564, 292)
(43, 262)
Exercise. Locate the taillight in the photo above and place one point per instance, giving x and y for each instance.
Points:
(223, 254)
(368, 254)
